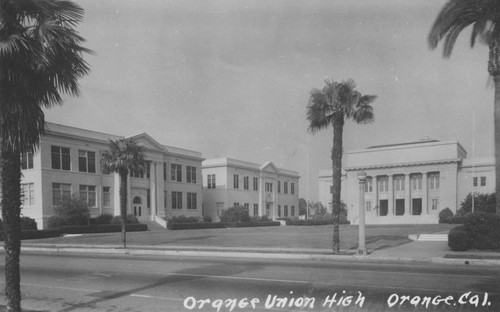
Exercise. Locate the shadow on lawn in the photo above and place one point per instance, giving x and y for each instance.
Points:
(378, 242)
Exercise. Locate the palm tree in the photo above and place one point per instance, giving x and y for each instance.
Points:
(40, 58)
(332, 105)
(484, 16)
(124, 156)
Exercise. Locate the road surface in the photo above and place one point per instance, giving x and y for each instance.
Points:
(76, 282)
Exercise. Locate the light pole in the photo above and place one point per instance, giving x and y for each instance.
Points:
(361, 241)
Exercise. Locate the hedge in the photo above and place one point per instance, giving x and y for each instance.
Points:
(218, 225)
(480, 231)
(101, 228)
(36, 234)
(313, 222)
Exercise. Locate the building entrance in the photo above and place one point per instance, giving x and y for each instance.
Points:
(400, 207)
(137, 209)
(416, 204)
(384, 204)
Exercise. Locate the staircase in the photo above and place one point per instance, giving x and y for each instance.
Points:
(433, 238)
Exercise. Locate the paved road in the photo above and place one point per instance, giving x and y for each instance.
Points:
(66, 282)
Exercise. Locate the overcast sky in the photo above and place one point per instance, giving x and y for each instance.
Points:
(232, 78)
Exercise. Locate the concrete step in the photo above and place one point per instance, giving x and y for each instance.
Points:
(433, 237)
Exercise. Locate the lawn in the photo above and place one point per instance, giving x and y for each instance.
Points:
(320, 237)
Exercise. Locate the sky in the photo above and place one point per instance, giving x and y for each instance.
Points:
(231, 78)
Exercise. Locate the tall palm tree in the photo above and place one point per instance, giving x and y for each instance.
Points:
(484, 16)
(40, 58)
(123, 156)
(332, 105)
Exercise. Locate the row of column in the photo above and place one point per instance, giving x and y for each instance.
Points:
(391, 198)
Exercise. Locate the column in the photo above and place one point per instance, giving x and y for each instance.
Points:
(362, 208)
(407, 194)
(390, 195)
(425, 200)
(375, 194)
(153, 191)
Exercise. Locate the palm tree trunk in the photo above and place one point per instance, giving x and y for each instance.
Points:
(496, 114)
(123, 206)
(338, 128)
(11, 211)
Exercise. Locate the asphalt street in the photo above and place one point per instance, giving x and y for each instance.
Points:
(76, 282)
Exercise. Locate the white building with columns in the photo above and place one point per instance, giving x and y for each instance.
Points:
(265, 190)
(411, 182)
(67, 162)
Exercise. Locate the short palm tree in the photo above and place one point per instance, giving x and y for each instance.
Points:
(40, 58)
(123, 156)
(484, 16)
(331, 106)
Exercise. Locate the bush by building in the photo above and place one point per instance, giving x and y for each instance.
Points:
(184, 219)
(482, 231)
(482, 203)
(445, 215)
(104, 218)
(131, 219)
(28, 224)
(206, 225)
(235, 214)
(72, 211)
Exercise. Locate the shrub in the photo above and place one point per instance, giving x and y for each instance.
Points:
(28, 224)
(131, 219)
(234, 214)
(104, 218)
(445, 214)
(194, 219)
(245, 218)
(184, 219)
(207, 219)
(73, 211)
(482, 203)
(55, 222)
(483, 229)
(1, 225)
(264, 219)
(458, 239)
(456, 220)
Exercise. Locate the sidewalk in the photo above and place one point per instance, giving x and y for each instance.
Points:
(413, 252)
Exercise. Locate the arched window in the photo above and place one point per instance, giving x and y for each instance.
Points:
(137, 200)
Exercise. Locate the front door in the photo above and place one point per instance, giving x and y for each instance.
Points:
(138, 209)
(384, 205)
(416, 206)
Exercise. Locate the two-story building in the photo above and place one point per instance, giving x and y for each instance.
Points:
(265, 190)
(67, 162)
(409, 182)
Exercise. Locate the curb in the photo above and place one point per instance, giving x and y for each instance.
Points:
(249, 254)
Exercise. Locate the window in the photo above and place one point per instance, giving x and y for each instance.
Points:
(435, 204)
(60, 158)
(255, 209)
(191, 201)
(269, 187)
(148, 198)
(285, 212)
(331, 189)
(245, 183)
(28, 193)
(368, 206)
(483, 181)
(416, 182)
(474, 181)
(176, 172)
(190, 174)
(383, 184)
(87, 194)
(399, 183)
(60, 191)
(292, 188)
(106, 196)
(285, 187)
(434, 181)
(279, 210)
(292, 211)
(211, 181)
(247, 206)
(136, 173)
(164, 171)
(279, 186)
(86, 161)
(255, 184)
(104, 169)
(236, 204)
(369, 185)
(165, 199)
(27, 161)
(176, 200)
(236, 181)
